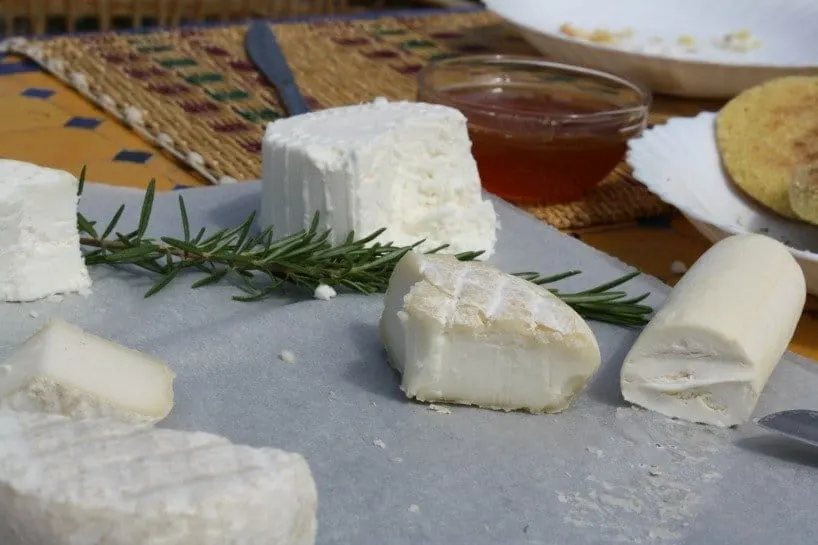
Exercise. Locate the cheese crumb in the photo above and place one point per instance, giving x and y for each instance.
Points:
(324, 292)
(595, 451)
(414, 508)
(677, 267)
(287, 356)
(378, 443)
(34, 314)
(438, 409)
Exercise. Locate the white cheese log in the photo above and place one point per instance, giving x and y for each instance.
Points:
(103, 482)
(63, 370)
(39, 241)
(468, 333)
(403, 166)
(708, 352)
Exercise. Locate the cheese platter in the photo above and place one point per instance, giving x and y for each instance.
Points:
(175, 370)
(389, 470)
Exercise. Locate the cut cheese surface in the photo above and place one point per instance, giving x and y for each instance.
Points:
(104, 482)
(39, 241)
(465, 332)
(64, 370)
(709, 351)
(403, 166)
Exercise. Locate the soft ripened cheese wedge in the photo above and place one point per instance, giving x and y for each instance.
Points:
(468, 333)
(708, 352)
(39, 242)
(104, 482)
(62, 369)
(403, 166)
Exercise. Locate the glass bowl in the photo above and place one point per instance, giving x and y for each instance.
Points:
(542, 133)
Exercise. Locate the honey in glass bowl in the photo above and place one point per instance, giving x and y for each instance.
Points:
(542, 133)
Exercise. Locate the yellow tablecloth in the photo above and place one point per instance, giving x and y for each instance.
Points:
(47, 123)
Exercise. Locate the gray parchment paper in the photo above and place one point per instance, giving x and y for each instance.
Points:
(393, 472)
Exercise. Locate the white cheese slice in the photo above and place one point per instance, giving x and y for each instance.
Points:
(103, 482)
(62, 369)
(403, 166)
(465, 332)
(39, 241)
(708, 352)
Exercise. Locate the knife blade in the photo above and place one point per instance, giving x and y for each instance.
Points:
(264, 51)
(798, 424)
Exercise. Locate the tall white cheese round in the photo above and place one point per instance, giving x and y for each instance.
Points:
(709, 351)
(403, 166)
(39, 241)
(465, 332)
(104, 482)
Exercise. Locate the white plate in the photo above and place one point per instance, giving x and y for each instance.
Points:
(680, 162)
(786, 28)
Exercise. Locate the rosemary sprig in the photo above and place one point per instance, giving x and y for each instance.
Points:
(261, 265)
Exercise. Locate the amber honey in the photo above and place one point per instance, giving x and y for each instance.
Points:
(537, 163)
(542, 133)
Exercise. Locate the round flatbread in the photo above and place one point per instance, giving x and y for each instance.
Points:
(765, 133)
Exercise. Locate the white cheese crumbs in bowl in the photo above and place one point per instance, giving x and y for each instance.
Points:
(324, 292)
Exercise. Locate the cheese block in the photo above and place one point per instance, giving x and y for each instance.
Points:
(708, 352)
(465, 332)
(39, 241)
(62, 369)
(403, 166)
(104, 482)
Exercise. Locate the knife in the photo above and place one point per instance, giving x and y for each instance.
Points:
(798, 424)
(263, 50)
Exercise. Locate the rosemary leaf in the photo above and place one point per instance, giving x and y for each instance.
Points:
(213, 278)
(147, 207)
(185, 221)
(114, 220)
(168, 278)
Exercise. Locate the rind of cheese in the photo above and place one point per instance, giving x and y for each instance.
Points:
(709, 351)
(465, 332)
(39, 241)
(403, 166)
(62, 369)
(103, 482)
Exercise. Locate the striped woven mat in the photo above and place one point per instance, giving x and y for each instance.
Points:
(194, 94)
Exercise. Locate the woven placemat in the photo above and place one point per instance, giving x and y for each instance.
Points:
(193, 92)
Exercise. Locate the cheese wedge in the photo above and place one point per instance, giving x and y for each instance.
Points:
(708, 352)
(104, 482)
(62, 369)
(465, 332)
